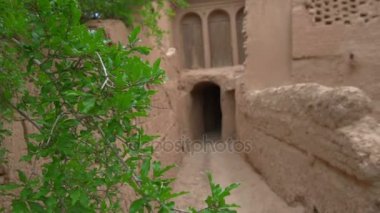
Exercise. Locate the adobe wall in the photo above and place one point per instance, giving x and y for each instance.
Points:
(334, 43)
(268, 44)
(314, 145)
(337, 44)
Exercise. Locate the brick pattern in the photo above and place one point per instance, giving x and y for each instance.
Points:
(348, 12)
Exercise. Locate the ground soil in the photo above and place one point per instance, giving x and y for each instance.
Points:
(253, 195)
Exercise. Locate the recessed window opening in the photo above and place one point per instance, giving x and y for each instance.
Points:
(192, 41)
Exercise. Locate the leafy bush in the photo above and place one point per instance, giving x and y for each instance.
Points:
(82, 95)
(143, 12)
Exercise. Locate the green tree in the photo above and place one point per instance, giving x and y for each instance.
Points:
(82, 95)
(141, 12)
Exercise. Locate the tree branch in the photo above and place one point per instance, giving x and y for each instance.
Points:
(24, 115)
(53, 128)
(106, 82)
(180, 210)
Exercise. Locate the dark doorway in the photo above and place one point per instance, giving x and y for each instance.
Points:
(206, 109)
(212, 113)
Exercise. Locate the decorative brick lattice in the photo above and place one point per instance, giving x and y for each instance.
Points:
(328, 12)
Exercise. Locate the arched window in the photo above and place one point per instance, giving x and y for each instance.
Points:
(240, 35)
(192, 40)
(220, 39)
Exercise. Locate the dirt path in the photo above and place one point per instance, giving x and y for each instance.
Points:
(253, 195)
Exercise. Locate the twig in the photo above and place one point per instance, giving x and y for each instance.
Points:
(53, 128)
(19, 43)
(16, 41)
(23, 114)
(180, 210)
(141, 83)
(105, 73)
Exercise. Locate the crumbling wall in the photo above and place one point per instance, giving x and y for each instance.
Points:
(336, 43)
(314, 145)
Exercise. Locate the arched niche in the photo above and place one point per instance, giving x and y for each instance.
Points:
(240, 35)
(220, 39)
(192, 41)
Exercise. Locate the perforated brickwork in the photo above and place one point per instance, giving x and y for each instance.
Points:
(328, 12)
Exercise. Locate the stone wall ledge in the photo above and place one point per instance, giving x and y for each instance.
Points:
(330, 124)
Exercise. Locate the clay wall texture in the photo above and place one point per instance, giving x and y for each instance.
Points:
(307, 97)
(314, 144)
(337, 43)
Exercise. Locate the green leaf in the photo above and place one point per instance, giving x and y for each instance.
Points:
(84, 200)
(51, 202)
(19, 206)
(137, 206)
(9, 187)
(22, 176)
(87, 104)
(178, 194)
(133, 36)
(73, 93)
(142, 50)
(145, 168)
(158, 171)
(36, 207)
(228, 189)
(26, 193)
(75, 196)
(156, 65)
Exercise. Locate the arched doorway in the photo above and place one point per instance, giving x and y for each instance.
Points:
(206, 112)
